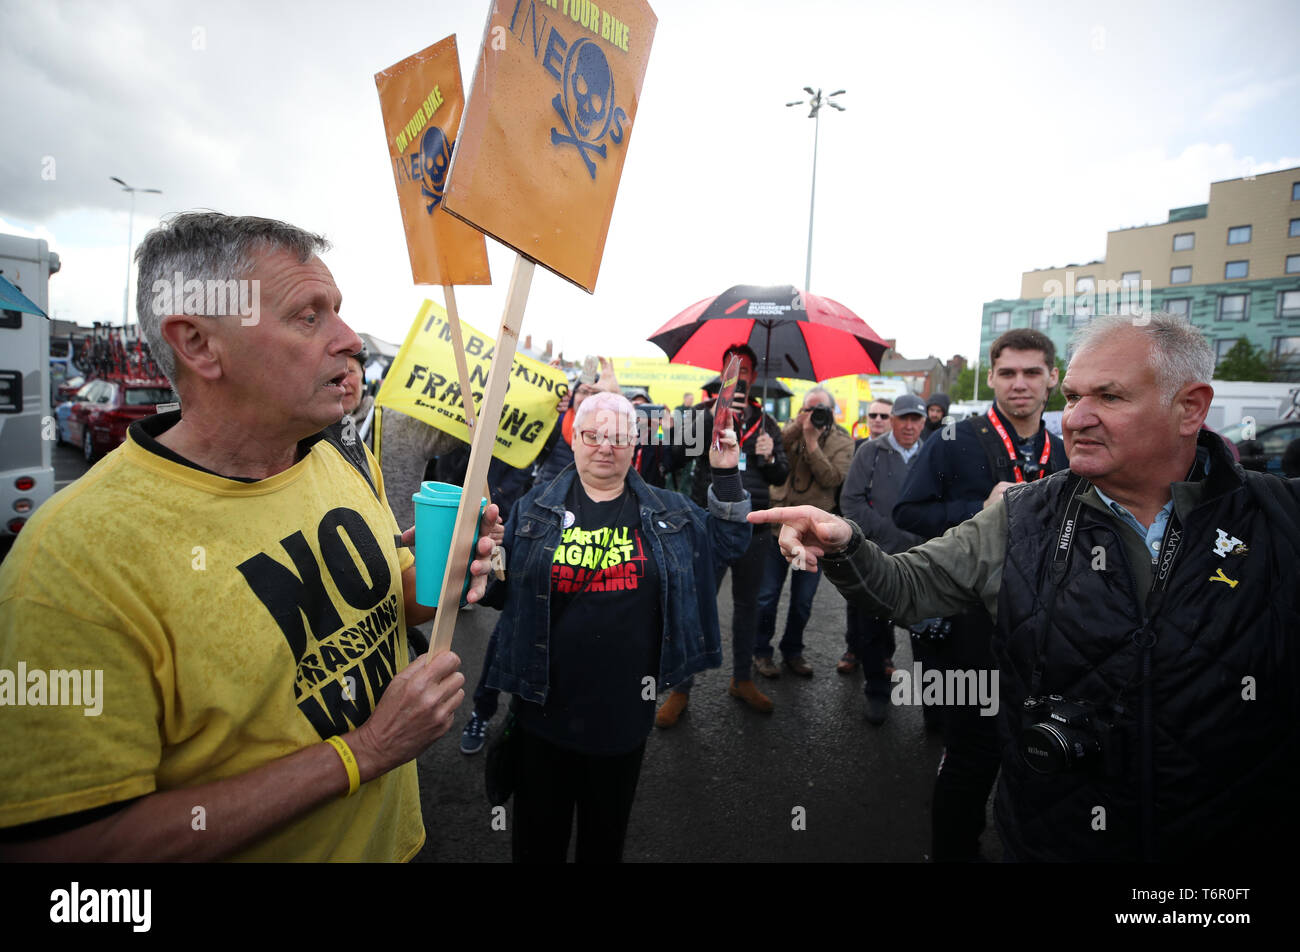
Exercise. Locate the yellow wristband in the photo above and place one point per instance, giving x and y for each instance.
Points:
(349, 763)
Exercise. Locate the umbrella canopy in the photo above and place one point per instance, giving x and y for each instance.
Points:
(794, 333)
(11, 299)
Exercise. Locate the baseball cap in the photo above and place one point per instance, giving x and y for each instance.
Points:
(907, 404)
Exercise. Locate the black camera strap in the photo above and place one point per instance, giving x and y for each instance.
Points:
(1145, 638)
(1057, 570)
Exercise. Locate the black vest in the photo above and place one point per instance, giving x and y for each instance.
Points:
(1223, 769)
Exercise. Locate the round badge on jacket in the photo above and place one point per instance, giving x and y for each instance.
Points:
(569, 518)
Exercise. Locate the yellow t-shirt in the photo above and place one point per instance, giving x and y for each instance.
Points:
(234, 623)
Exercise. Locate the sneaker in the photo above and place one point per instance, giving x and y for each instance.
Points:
(474, 736)
(672, 710)
(797, 664)
(751, 695)
(877, 709)
(847, 664)
(765, 667)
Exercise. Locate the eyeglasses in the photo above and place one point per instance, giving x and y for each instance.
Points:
(620, 440)
(878, 416)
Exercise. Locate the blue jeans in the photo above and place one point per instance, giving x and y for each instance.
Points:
(803, 586)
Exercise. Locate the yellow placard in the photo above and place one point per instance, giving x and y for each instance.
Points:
(422, 101)
(547, 125)
(423, 383)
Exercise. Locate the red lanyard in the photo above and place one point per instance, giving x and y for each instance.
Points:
(750, 431)
(1006, 441)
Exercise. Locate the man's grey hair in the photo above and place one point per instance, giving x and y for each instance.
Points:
(1179, 353)
(829, 396)
(208, 247)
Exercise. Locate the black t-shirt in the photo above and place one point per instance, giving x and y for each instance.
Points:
(606, 626)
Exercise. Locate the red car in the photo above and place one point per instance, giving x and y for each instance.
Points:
(105, 408)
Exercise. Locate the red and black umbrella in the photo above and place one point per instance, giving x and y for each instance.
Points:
(797, 334)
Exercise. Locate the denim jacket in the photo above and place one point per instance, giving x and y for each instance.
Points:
(688, 544)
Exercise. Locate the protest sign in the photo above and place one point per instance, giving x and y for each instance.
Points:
(421, 100)
(538, 168)
(546, 129)
(424, 383)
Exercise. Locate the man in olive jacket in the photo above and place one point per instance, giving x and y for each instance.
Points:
(1145, 601)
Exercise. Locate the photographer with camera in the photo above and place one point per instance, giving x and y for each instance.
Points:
(819, 452)
(1145, 605)
(962, 470)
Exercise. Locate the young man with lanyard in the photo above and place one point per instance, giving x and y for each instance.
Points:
(762, 465)
(962, 470)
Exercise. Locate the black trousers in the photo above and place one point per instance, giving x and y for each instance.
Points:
(972, 751)
(553, 782)
(746, 578)
(872, 640)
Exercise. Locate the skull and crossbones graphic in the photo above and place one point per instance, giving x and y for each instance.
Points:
(588, 101)
(435, 157)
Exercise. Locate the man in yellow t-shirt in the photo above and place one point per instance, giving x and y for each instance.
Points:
(202, 640)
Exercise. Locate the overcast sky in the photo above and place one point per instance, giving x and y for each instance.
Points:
(980, 140)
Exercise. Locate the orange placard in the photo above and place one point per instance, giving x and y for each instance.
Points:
(546, 129)
(422, 101)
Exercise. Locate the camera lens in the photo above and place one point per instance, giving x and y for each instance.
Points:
(821, 417)
(1050, 748)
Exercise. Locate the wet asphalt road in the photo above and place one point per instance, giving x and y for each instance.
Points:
(724, 783)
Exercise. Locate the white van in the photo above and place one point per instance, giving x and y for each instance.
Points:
(1235, 401)
(26, 424)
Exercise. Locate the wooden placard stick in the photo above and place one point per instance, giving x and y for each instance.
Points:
(480, 454)
(462, 369)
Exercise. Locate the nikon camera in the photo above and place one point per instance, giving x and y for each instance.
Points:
(1069, 734)
(822, 418)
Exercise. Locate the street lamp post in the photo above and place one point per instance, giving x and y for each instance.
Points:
(816, 102)
(130, 224)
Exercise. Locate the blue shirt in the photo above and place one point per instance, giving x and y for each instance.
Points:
(1152, 535)
(906, 454)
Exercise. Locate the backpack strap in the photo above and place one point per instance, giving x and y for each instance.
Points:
(343, 437)
(999, 463)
